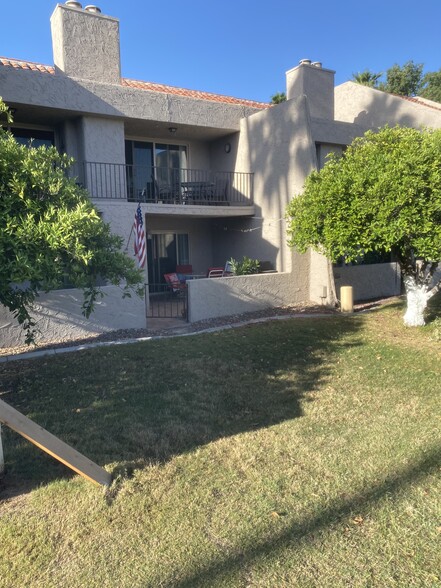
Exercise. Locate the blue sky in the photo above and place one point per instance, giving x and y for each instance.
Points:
(243, 48)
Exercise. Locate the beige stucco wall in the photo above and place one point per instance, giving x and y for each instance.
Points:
(198, 154)
(371, 108)
(219, 159)
(235, 295)
(58, 317)
(86, 45)
(78, 96)
(243, 237)
(277, 146)
(335, 132)
(119, 214)
(320, 277)
(71, 135)
(102, 140)
(317, 84)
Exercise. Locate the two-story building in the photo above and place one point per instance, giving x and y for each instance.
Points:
(213, 173)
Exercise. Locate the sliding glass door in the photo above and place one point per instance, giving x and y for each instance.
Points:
(169, 159)
(154, 170)
(139, 161)
(166, 251)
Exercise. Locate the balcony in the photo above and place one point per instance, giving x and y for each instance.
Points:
(159, 185)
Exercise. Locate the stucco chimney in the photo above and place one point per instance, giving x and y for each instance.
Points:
(86, 43)
(315, 82)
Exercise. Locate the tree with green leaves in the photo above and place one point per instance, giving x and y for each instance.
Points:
(367, 78)
(383, 194)
(50, 232)
(405, 80)
(431, 88)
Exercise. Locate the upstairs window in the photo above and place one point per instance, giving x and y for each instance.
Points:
(33, 137)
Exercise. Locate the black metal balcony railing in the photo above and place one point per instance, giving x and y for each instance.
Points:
(159, 185)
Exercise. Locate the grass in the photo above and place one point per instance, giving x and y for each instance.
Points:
(292, 453)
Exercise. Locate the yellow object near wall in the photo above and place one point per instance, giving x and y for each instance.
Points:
(347, 299)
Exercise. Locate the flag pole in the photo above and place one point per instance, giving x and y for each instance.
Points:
(131, 233)
(128, 240)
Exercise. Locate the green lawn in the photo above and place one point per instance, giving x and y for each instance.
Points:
(293, 453)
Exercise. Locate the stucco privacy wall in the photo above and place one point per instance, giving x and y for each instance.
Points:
(58, 316)
(276, 145)
(219, 297)
(369, 281)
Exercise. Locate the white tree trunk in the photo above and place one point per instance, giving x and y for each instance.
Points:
(332, 295)
(417, 297)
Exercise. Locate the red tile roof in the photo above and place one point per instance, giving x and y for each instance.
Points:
(420, 101)
(150, 86)
(18, 64)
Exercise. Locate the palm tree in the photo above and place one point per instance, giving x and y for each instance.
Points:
(367, 78)
(278, 98)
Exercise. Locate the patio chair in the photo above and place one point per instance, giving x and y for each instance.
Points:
(163, 191)
(228, 269)
(175, 285)
(215, 272)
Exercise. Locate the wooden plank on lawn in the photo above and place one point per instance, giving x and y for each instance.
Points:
(53, 445)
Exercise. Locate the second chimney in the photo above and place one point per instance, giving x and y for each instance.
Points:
(315, 82)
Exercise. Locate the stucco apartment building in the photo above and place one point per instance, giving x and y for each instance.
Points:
(213, 173)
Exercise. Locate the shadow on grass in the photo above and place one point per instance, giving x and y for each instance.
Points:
(133, 405)
(304, 530)
(434, 308)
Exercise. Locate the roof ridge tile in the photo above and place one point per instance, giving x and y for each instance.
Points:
(200, 94)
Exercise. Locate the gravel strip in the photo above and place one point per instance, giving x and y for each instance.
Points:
(185, 328)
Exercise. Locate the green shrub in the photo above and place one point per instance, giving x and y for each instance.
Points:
(245, 267)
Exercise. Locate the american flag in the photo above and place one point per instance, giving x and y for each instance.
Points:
(139, 237)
